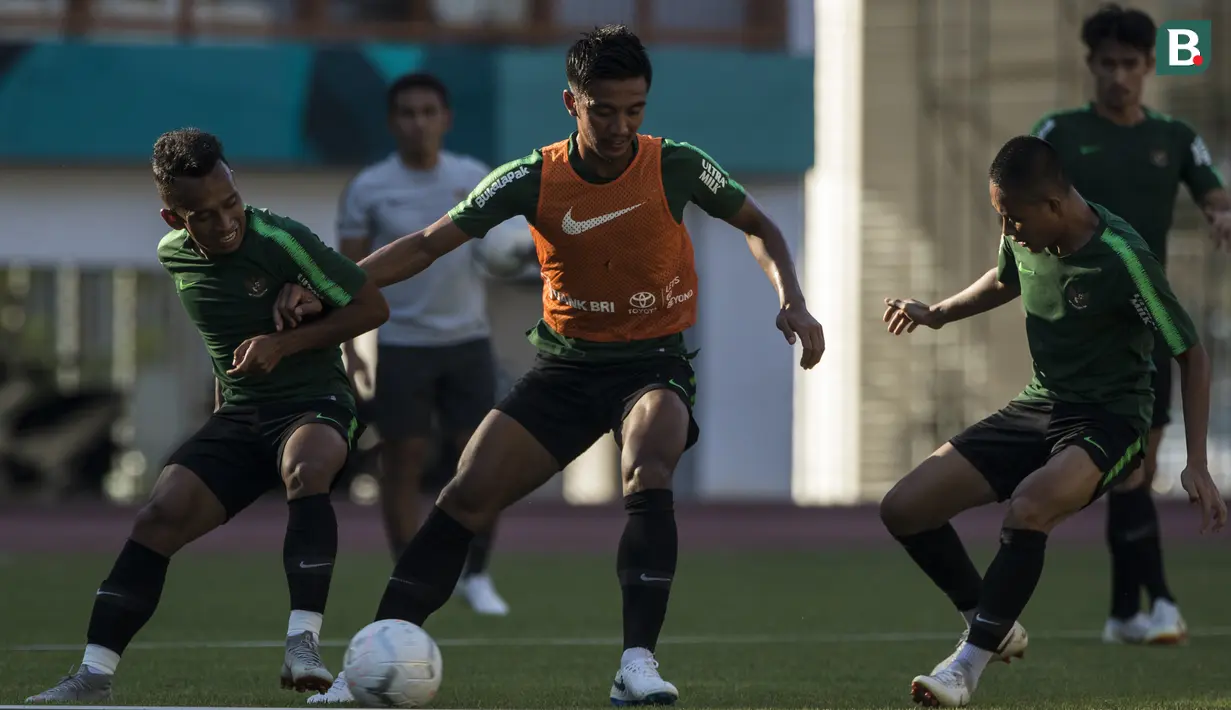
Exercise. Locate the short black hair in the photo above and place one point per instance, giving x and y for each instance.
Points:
(1029, 166)
(607, 52)
(417, 80)
(184, 153)
(1114, 23)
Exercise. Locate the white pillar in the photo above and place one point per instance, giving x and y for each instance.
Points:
(826, 466)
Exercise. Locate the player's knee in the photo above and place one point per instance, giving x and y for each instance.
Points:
(304, 478)
(646, 475)
(901, 514)
(161, 525)
(468, 503)
(1028, 511)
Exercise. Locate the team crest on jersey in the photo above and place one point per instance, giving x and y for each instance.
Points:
(256, 286)
(1159, 158)
(1077, 299)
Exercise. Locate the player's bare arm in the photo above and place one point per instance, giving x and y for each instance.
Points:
(394, 262)
(405, 257)
(770, 249)
(1195, 393)
(985, 294)
(365, 311)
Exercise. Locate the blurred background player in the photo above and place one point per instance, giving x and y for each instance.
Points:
(435, 354)
(1132, 160)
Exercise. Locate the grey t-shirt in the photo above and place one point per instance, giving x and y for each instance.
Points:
(446, 304)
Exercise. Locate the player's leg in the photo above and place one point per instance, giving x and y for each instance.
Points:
(1091, 452)
(313, 446)
(1134, 539)
(466, 393)
(205, 482)
(655, 431)
(542, 425)
(402, 409)
(981, 465)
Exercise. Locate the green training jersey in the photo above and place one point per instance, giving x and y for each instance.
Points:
(230, 298)
(688, 175)
(1092, 317)
(1135, 171)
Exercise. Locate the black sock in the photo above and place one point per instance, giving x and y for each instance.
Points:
(309, 550)
(126, 599)
(480, 552)
(1008, 586)
(428, 570)
(943, 558)
(645, 564)
(1132, 521)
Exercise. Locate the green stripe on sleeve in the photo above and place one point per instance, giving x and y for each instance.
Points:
(320, 282)
(1141, 280)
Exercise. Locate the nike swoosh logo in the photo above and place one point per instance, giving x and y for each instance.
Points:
(101, 593)
(984, 619)
(572, 226)
(329, 419)
(305, 565)
(1088, 149)
(644, 578)
(1095, 443)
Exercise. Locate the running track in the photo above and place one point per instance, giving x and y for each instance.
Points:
(554, 527)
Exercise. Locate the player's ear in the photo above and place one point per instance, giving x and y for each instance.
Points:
(173, 220)
(570, 103)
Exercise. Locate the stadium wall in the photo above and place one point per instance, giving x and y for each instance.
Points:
(280, 106)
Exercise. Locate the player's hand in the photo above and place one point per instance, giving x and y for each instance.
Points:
(295, 303)
(908, 314)
(1202, 491)
(1220, 231)
(796, 322)
(256, 356)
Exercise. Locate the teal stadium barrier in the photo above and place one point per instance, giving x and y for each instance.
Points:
(297, 105)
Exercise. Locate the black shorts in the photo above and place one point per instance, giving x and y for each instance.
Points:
(238, 452)
(568, 405)
(1009, 445)
(456, 383)
(1161, 384)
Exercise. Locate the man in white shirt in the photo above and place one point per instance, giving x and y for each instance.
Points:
(434, 353)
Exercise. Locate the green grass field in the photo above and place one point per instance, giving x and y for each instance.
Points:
(824, 630)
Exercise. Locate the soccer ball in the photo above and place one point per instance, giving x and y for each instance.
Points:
(507, 252)
(392, 664)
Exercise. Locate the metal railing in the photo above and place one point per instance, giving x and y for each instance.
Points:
(752, 24)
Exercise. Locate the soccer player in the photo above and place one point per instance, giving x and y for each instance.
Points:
(435, 353)
(1095, 299)
(1132, 160)
(606, 207)
(285, 413)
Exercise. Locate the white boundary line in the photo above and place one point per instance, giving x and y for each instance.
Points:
(524, 642)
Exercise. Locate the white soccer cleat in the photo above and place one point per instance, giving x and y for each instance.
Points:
(1130, 631)
(480, 592)
(338, 693)
(1013, 646)
(638, 683)
(83, 687)
(1166, 626)
(302, 667)
(950, 687)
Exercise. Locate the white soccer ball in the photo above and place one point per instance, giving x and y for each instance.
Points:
(392, 664)
(507, 252)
